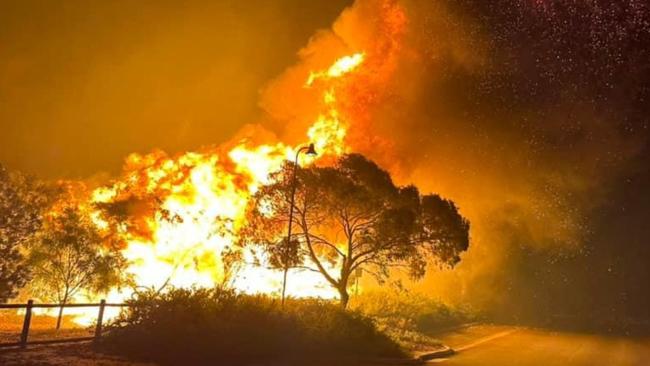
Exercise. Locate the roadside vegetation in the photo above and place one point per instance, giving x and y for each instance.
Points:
(200, 325)
(410, 319)
(196, 326)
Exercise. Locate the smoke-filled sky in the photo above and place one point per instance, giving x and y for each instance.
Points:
(85, 83)
(533, 116)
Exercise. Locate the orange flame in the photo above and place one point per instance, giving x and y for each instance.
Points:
(185, 211)
(202, 200)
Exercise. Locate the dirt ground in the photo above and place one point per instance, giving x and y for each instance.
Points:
(77, 354)
(83, 354)
(43, 327)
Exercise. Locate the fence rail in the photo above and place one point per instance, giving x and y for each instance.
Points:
(45, 306)
(24, 335)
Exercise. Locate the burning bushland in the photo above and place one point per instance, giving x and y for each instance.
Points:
(523, 115)
(217, 217)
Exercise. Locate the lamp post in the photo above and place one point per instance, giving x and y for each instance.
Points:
(309, 150)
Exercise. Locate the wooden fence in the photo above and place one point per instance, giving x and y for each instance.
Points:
(24, 335)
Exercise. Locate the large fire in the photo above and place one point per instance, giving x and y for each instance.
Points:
(203, 197)
(183, 212)
(188, 209)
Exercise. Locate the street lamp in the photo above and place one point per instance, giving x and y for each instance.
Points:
(309, 150)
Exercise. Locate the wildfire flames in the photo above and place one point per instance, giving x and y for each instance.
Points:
(200, 201)
(184, 212)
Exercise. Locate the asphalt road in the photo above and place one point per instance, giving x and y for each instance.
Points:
(504, 346)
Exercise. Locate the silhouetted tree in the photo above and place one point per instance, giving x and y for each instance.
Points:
(351, 217)
(232, 262)
(70, 256)
(22, 200)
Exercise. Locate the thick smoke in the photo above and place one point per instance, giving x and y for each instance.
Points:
(528, 115)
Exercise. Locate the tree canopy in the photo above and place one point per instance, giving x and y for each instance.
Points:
(352, 217)
(71, 256)
(22, 200)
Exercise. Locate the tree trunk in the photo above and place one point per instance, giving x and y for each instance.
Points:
(344, 296)
(58, 319)
(284, 285)
(343, 283)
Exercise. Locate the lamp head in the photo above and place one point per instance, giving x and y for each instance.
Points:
(311, 150)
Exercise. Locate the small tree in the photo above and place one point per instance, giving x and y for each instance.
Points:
(352, 217)
(22, 200)
(71, 256)
(232, 262)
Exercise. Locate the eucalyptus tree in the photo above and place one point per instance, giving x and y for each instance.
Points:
(352, 217)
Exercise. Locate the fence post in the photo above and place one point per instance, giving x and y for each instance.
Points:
(100, 318)
(28, 320)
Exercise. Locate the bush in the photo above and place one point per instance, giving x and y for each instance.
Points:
(407, 317)
(204, 325)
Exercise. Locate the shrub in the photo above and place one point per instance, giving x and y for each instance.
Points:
(206, 325)
(407, 317)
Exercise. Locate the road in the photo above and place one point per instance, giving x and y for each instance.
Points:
(487, 345)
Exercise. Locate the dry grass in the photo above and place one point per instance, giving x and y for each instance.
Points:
(42, 327)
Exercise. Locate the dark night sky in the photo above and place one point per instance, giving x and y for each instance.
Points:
(533, 115)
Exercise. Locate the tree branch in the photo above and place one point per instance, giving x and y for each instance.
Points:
(314, 258)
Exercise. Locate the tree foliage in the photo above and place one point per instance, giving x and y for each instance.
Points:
(71, 256)
(22, 200)
(350, 217)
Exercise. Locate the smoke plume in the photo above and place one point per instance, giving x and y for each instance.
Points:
(528, 115)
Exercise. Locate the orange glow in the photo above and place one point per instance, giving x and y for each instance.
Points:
(195, 204)
(181, 213)
(207, 194)
(341, 67)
